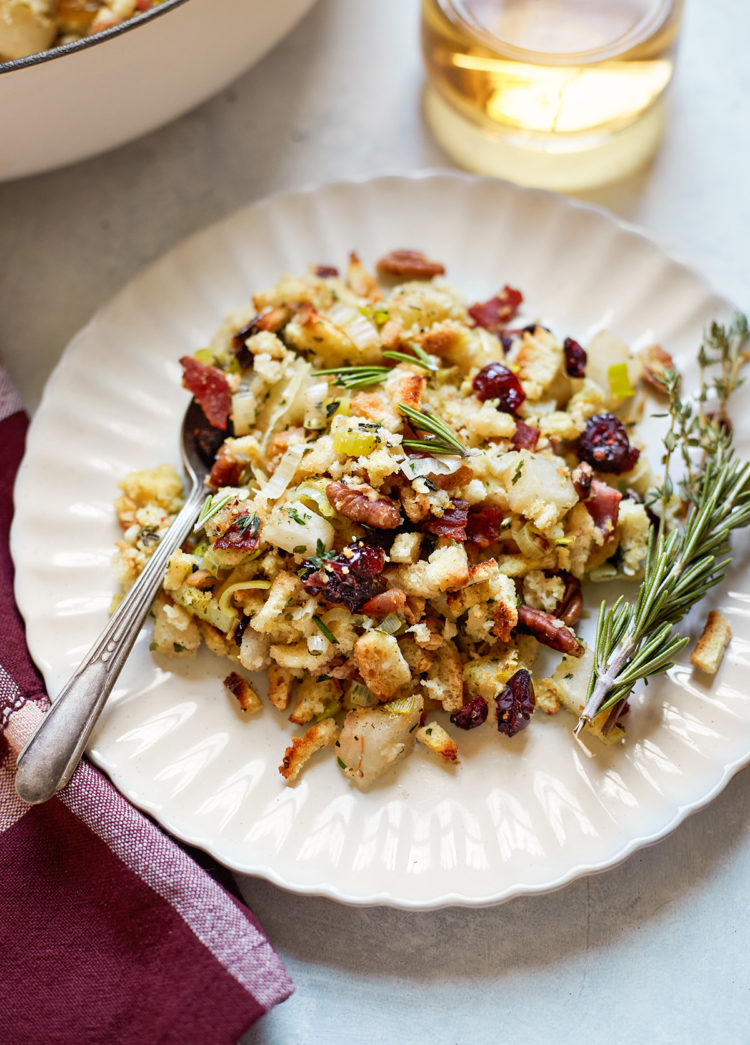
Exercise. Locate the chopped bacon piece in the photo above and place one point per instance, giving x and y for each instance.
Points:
(603, 506)
(226, 471)
(483, 525)
(525, 437)
(495, 313)
(242, 535)
(409, 264)
(210, 387)
(452, 523)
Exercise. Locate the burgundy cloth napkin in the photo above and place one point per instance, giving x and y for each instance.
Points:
(109, 931)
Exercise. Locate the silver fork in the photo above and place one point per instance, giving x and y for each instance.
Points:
(55, 749)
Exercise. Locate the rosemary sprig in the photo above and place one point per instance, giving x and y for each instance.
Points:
(420, 357)
(635, 641)
(355, 376)
(210, 507)
(443, 440)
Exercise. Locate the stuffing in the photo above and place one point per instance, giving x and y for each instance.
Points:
(445, 570)
(444, 681)
(405, 548)
(711, 646)
(538, 361)
(633, 530)
(542, 592)
(280, 683)
(437, 740)
(175, 630)
(381, 664)
(403, 478)
(247, 698)
(301, 749)
(315, 697)
(568, 687)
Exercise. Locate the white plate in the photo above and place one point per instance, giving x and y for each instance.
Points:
(517, 816)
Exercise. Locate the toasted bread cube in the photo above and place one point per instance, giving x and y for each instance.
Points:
(405, 548)
(247, 698)
(445, 680)
(709, 650)
(314, 697)
(280, 682)
(381, 664)
(434, 737)
(301, 749)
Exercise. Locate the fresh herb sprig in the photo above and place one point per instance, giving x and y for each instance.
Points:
(637, 640)
(355, 376)
(420, 357)
(210, 507)
(442, 441)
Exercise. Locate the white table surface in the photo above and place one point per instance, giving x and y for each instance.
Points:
(655, 950)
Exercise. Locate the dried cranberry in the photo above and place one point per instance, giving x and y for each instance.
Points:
(323, 271)
(470, 715)
(525, 437)
(604, 444)
(239, 629)
(352, 577)
(483, 525)
(495, 313)
(242, 353)
(515, 704)
(452, 523)
(496, 381)
(575, 358)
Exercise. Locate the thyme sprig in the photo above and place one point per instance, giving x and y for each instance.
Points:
(637, 640)
(443, 440)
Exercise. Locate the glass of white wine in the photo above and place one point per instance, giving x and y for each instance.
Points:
(561, 94)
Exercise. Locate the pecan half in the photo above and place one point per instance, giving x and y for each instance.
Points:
(549, 630)
(570, 607)
(392, 600)
(655, 362)
(362, 504)
(409, 264)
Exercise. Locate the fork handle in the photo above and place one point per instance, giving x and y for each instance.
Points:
(55, 749)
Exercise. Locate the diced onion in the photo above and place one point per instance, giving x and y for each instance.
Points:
(284, 473)
(317, 643)
(244, 409)
(418, 466)
(284, 399)
(315, 399)
(315, 490)
(392, 623)
(360, 696)
(529, 542)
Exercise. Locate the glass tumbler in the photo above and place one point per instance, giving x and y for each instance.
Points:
(561, 94)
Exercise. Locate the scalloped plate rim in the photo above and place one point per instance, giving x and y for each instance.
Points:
(170, 820)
